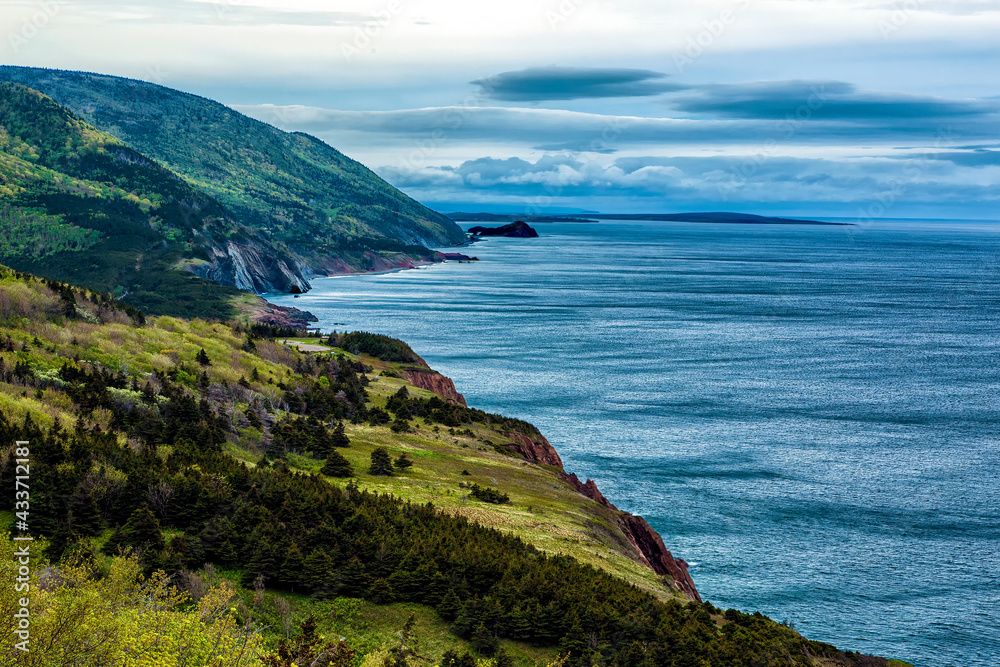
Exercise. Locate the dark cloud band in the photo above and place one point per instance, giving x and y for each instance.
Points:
(574, 83)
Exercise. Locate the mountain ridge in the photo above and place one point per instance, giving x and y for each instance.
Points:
(83, 207)
(305, 188)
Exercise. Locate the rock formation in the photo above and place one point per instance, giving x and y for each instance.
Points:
(519, 229)
(589, 489)
(535, 449)
(646, 543)
(650, 546)
(254, 268)
(433, 381)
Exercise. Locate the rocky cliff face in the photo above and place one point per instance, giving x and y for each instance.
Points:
(370, 261)
(655, 554)
(589, 489)
(265, 312)
(251, 267)
(535, 449)
(646, 542)
(433, 381)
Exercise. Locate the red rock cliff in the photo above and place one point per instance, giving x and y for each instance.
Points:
(535, 449)
(589, 489)
(647, 542)
(650, 545)
(433, 381)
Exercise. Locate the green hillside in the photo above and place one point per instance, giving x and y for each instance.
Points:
(292, 187)
(262, 489)
(78, 205)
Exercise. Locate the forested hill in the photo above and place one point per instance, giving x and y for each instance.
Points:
(78, 205)
(290, 186)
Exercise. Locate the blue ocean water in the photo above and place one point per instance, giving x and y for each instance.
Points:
(808, 415)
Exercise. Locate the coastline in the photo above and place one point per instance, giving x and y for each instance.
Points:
(469, 331)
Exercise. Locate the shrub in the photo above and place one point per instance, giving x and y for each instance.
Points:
(376, 345)
(403, 462)
(487, 494)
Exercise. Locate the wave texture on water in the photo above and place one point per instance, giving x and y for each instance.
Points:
(808, 415)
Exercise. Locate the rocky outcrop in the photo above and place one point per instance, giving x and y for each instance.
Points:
(252, 267)
(589, 489)
(266, 312)
(519, 229)
(649, 545)
(367, 262)
(535, 449)
(433, 381)
(646, 542)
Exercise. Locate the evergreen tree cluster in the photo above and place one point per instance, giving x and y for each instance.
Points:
(299, 533)
(375, 345)
(435, 409)
(486, 493)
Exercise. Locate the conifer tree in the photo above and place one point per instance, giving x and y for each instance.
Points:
(449, 606)
(353, 581)
(339, 437)
(292, 567)
(322, 443)
(142, 530)
(202, 358)
(485, 641)
(317, 571)
(381, 592)
(381, 463)
(337, 466)
(84, 515)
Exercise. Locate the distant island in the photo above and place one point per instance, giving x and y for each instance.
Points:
(722, 217)
(518, 229)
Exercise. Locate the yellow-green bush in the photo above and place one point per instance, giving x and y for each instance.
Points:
(80, 618)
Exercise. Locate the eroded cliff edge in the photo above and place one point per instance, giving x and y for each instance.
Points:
(646, 544)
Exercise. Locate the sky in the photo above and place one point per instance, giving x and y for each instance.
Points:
(862, 109)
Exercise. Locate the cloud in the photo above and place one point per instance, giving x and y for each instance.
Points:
(976, 158)
(949, 7)
(659, 183)
(822, 100)
(555, 129)
(573, 83)
(219, 12)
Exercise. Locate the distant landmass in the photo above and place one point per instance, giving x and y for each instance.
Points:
(519, 229)
(722, 217)
(285, 206)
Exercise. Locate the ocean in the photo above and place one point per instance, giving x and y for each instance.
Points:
(807, 414)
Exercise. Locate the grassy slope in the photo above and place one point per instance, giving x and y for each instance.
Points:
(544, 511)
(301, 190)
(555, 522)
